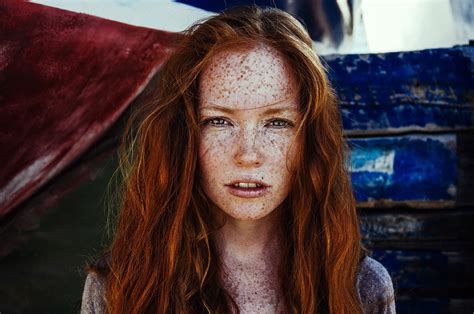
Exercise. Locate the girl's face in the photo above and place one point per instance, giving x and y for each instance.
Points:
(248, 110)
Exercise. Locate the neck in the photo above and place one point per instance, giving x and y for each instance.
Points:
(249, 240)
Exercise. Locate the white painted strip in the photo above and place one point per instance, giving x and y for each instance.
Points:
(156, 14)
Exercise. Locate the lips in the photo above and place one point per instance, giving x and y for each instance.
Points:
(263, 184)
(248, 192)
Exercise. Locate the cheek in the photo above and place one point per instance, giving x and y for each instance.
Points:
(213, 148)
(278, 147)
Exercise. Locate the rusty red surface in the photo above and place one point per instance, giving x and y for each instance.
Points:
(65, 78)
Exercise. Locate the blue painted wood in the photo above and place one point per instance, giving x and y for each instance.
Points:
(423, 305)
(415, 269)
(429, 89)
(410, 116)
(422, 272)
(405, 168)
(397, 71)
(414, 228)
(433, 305)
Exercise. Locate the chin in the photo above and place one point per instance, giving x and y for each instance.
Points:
(247, 214)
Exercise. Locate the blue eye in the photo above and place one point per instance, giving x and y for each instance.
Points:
(281, 123)
(216, 122)
(220, 122)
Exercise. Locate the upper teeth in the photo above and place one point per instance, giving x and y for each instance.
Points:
(247, 185)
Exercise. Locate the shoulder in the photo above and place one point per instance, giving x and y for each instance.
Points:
(93, 297)
(375, 287)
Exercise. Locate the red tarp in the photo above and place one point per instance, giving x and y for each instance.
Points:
(65, 78)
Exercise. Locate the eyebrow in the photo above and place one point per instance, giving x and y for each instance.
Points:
(268, 111)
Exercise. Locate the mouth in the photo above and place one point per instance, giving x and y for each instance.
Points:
(248, 189)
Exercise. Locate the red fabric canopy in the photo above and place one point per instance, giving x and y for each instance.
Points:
(65, 78)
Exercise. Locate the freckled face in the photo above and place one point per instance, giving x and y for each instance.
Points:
(248, 111)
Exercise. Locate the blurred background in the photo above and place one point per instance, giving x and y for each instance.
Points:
(403, 70)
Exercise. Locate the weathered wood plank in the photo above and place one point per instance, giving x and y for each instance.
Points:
(428, 90)
(416, 304)
(418, 226)
(392, 78)
(430, 273)
(412, 169)
(413, 117)
(465, 155)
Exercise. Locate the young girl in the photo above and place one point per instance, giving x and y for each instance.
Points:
(235, 195)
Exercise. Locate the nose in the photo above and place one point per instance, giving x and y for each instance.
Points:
(247, 153)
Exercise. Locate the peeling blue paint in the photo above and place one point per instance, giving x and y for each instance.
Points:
(414, 116)
(415, 269)
(404, 168)
(429, 89)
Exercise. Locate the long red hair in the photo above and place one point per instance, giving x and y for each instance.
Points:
(163, 257)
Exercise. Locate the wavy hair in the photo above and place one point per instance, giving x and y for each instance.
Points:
(163, 257)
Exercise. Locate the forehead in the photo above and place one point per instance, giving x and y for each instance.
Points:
(248, 79)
